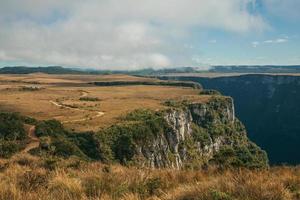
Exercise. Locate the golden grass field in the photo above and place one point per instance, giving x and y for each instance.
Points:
(59, 98)
(27, 178)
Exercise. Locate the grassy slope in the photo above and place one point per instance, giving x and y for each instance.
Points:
(27, 178)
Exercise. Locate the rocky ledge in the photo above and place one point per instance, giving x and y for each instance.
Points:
(200, 135)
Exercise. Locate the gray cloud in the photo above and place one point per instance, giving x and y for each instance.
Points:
(113, 34)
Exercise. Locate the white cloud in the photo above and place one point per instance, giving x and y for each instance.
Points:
(111, 33)
(276, 41)
(212, 41)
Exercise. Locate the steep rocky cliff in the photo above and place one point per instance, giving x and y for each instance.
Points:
(268, 105)
(193, 135)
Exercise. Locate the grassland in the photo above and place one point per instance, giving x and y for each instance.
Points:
(84, 107)
(26, 177)
(60, 97)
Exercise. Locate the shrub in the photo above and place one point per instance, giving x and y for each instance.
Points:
(240, 156)
(153, 185)
(65, 148)
(11, 127)
(87, 143)
(32, 180)
(49, 128)
(200, 135)
(89, 99)
(8, 148)
(140, 128)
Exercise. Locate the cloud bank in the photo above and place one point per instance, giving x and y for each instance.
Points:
(114, 34)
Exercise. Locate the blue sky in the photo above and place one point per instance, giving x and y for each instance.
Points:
(134, 34)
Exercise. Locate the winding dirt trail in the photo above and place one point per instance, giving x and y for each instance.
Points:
(34, 141)
(83, 94)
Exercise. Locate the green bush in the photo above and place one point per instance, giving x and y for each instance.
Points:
(12, 134)
(49, 128)
(153, 185)
(241, 156)
(200, 135)
(140, 128)
(89, 99)
(86, 143)
(11, 127)
(8, 148)
(55, 140)
(65, 148)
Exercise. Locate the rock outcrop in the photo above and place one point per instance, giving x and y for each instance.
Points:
(197, 132)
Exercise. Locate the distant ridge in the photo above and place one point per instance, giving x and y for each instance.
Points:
(47, 70)
(154, 72)
(256, 69)
(63, 70)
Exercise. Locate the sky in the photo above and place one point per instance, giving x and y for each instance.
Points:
(136, 34)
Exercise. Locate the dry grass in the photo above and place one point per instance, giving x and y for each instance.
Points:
(47, 78)
(96, 181)
(113, 101)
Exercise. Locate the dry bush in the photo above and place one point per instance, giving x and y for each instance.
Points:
(95, 181)
(26, 160)
(33, 180)
(9, 191)
(64, 187)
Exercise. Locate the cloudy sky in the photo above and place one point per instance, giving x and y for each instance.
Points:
(133, 34)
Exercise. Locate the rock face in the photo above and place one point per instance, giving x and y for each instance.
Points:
(197, 133)
(268, 105)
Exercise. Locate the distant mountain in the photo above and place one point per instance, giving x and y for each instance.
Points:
(63, 70)
(47, 70)
(256, 69)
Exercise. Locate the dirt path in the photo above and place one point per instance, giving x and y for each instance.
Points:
(83, 94)
(99, 114)
(34, 141)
